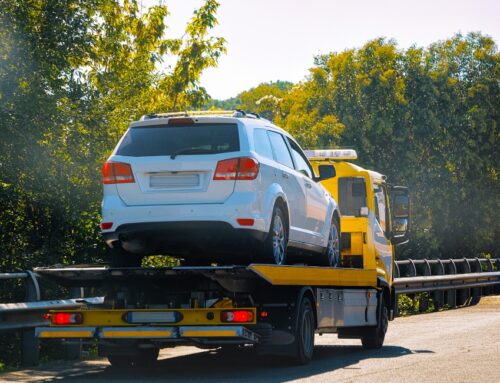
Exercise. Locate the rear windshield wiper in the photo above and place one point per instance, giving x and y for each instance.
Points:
(191, 151)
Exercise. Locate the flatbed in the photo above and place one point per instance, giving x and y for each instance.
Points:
(293, 275)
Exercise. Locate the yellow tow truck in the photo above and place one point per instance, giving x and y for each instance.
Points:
(375, 214)
(275, 309)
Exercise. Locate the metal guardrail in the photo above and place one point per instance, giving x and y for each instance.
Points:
(25, 316)
(450, 282)
(416, 267)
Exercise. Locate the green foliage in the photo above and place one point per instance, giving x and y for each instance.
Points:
(406, 305)
(265, 99)
(412, 305)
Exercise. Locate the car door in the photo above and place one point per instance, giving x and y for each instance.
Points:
(316, 202)
(293, 189)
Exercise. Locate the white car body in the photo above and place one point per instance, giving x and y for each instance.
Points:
(167, 197)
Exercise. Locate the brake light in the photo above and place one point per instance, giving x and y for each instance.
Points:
(236, 316)
(179, 121)
(106, 225)
(66, 318)
(244, 168)
(117, 173)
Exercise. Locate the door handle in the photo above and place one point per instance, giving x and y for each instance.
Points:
(308, 185)
(284, 175)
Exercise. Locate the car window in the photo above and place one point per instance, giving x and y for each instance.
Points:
(163, 140)
(280, 149)
(262, 144)
(301, 163)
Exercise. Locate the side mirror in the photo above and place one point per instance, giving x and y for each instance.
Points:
(400, 203)
(326, 172)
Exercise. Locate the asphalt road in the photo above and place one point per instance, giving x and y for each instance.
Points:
(460, 345)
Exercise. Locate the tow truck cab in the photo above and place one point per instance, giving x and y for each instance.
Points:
(375, 214)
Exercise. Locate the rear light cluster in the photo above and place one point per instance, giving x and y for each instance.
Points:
(243, 168)
(117, 173)
(236, 316)
(65, 318)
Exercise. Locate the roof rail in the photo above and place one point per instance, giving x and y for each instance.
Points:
(194, 113)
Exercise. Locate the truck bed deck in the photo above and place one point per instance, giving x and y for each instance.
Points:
(293, 275)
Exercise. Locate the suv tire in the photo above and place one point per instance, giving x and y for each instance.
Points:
(332, 251)
(274, 247)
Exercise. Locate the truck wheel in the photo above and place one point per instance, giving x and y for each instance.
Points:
(118, 257)
(375, 335)
(332, 251)
(146, 357)
(274, 246)
(304, 335)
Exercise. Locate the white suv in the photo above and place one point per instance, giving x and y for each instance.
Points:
(228, 188)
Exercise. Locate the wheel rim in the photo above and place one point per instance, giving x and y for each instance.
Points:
(307, 336)
(333, 252)
(278, 240)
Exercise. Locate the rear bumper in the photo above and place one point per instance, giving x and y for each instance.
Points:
(182, 238)
(238, 205)
(151, 333)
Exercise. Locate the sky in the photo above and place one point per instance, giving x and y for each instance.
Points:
(269, 40)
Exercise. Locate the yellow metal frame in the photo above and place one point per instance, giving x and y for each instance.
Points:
(191, 317)
(316, 276)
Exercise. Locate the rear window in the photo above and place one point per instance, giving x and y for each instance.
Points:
(164, 140)
(352, 195)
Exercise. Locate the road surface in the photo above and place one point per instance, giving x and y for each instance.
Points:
(460, 345)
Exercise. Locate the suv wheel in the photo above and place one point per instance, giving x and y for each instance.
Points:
(332, 252)
(274, 247)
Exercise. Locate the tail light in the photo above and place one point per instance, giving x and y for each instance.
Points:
(66, 318)
(244, 168)
(106, 225)
(117, 173)
(236, 316)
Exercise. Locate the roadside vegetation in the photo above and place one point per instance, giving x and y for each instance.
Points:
(74, 73)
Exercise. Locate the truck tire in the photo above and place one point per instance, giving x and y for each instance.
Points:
(274, 246)
(374, 337)
(118, 257)
(145, 357)
(304, 334)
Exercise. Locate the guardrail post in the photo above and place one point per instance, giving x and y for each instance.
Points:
(476, 292)
(73, 350)
(30, 351)
(413, 273)
(438, 296)
(463, 295)
(451, 295)
(424, 297)
(496, 289)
